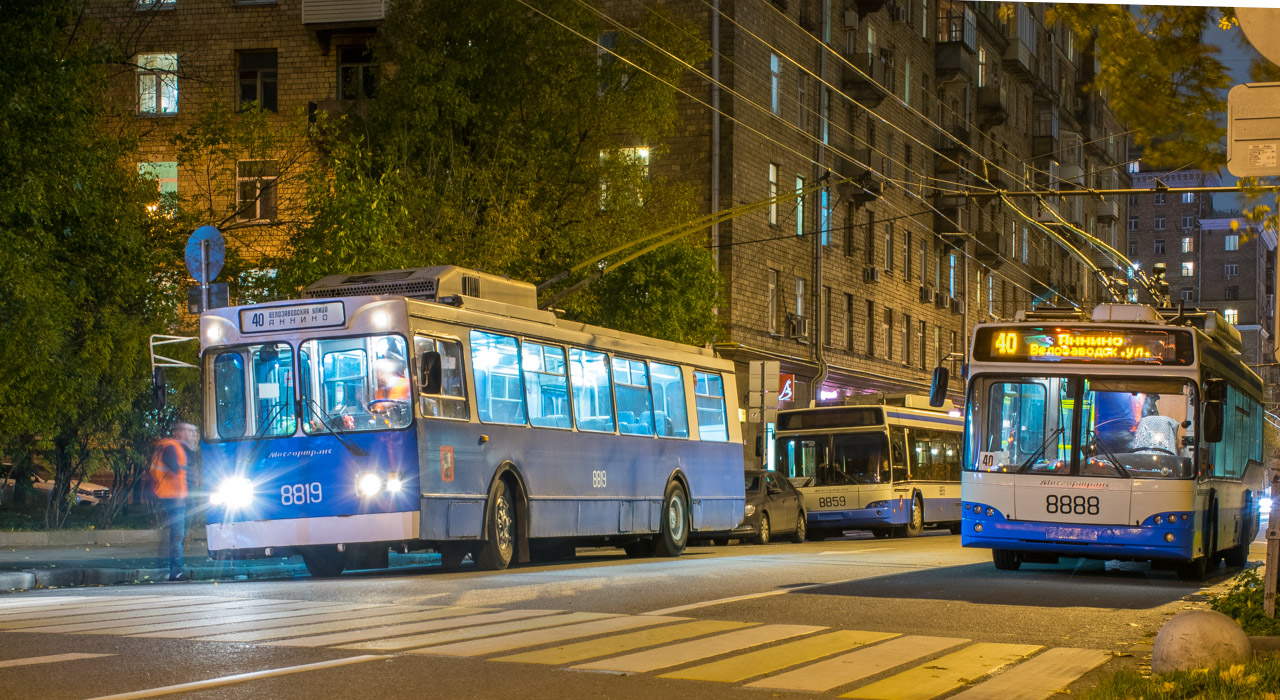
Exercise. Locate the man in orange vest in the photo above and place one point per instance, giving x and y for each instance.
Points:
(169, 485)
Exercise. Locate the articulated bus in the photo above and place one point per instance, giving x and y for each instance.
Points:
(438, 408)
(1132, 434)
(891, 468)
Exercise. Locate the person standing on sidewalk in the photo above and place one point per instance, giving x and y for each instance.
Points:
(169, 485)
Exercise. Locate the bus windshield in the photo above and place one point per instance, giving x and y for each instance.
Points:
(355, 384)
(1083, 426)
(835, 460)
(252, 392)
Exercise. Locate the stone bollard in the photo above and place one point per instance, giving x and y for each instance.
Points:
(1199, 639)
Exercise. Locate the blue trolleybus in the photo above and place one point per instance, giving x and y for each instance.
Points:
(439, 409)
(1133, 433)
(892, 468)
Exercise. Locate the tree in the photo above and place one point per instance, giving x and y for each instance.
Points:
(79, 253)
(500, 142)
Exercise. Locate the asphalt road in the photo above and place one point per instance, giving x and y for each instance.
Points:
(881, 618)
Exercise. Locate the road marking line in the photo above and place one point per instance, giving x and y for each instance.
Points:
(678, 654)
(54, 600)
(758, 663)
(126, 606)
(143, 617)
(739, 598)
(856, 665)
(340, 625)
(460, 634)
(239, 678)
(55, 658)
(581, 651)
(946, 673)
(268, 614)
(494, 645)
(115, 626)
(394, 630)
(283, 619)
(830, 552)
(1040, 677)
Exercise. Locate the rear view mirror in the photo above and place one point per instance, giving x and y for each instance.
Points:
(158, 388)
(431, 372)
(938, 390)
(1211, 422)
(1215, 390)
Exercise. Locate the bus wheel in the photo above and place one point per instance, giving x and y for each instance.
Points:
(673, 534)
(915, 526)
(763, 537)
(801, 526)
(325, 561)
(1005, 559)
(496, 553)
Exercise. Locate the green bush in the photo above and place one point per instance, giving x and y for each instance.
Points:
(1258, 679)
(1243, 603)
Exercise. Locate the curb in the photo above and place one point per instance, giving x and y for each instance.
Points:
(79, 538)
(66, 577)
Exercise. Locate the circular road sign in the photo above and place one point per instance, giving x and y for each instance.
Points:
(216, 253)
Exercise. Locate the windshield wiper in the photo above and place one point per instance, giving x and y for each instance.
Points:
(1093, 439)
(346, 442)
(1022, 468)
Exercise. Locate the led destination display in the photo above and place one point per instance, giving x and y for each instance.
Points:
(1089, 344)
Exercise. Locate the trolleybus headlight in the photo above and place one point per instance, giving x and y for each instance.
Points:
(750, 510)
(977, 527)
(1160, 519)
(878, 504)
(394, 484)
(234, 492)
(1264, 504)
(368, 484)
(1168, 537)
(991, 511)
(1173, 517)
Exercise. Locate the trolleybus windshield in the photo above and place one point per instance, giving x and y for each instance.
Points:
(1084, 426)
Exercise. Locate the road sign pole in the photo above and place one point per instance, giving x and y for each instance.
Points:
(204, 276)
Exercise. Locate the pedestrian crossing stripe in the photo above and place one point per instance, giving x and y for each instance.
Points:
(779, 657)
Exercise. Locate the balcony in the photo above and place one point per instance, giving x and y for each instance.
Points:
(951, 216)
(988, 250)
(1019, 59)
(993, 106)
(951, 62)
(343, 11)
(1108, 209)
(863, 79)
(866, 7)
(860, 169)
(1044, 130)
(1048, 210)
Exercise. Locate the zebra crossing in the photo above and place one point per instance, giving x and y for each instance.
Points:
(873, 665)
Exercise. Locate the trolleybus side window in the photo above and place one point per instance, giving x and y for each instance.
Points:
(273, 389)
(935, 454)
(1240, 416)
(546, 385)
(709, 397)
(228, 395)
(592, 390)
(635, 405)
(345, 390)
(495, 363)
(856, 458)
(451, 402)
(671, 413)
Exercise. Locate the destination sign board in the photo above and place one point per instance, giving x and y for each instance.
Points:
(320, 314)
(1083, 344)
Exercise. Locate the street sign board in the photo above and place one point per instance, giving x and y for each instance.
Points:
(216, 248)
(1253, 130)
(217, 297)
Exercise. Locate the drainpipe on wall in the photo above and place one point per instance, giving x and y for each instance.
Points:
(715, 131)
(819, 297)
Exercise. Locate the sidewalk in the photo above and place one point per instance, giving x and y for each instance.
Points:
(125, 559)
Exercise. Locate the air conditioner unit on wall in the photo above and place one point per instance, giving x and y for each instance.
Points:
(927, 293)
(870, 274)
(797, 326)
(957, 306)
(942, 300)
(897, 13)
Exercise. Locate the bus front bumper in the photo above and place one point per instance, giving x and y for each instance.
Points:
(885, 515)
(1148, 541)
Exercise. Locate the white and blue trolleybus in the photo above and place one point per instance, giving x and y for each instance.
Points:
(439, 408)
(1131, 433)
(890, 465)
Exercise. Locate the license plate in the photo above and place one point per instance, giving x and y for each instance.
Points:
(1071, 533)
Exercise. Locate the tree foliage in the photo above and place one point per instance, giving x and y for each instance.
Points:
(499, 141)
(78, 253)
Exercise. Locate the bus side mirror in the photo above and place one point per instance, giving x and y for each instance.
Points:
(1215, 390)
(430, 369)
(938, 390)
(158, 388)
(1211, 422)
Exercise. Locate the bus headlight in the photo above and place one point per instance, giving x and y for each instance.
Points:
(1264, 504)
(1168, 537)
(878, 504)
(1160, 519)
(368, 484)
(394, 484)
(234, 493)
(750, 510)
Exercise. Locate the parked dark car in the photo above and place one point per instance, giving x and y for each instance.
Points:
(774, 507)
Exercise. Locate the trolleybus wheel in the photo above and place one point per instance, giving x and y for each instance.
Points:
(915, 526)
(324, 561)
(1239, 554)
(496, 552)
(763, 536)
(673, 535)
(801, 527)
(1005, 559)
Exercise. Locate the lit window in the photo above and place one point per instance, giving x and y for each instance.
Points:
(799, 206)
(775, 79)
(773, 192)
(256, 189)
(982, 67)
(1188, 197)
(1188, 244)
(824, 215)
(157, 83)
(166, 179)
(1232, 316)
(1188, 269)
(1132, 166)
(772, 281)
(1231, 242)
